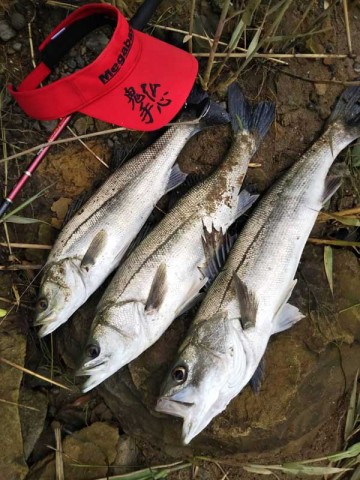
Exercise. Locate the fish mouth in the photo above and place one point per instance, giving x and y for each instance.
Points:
(173, 407)
(195, 416)
(48, 324)
(87, 371)
(93, 381)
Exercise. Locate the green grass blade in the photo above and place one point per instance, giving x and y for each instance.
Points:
(328, 265)
(23, 220)
(153, 473)
(26, 203)
(351, 413)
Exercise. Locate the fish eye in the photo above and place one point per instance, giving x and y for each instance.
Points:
(93, 350)
(179, 374)
(42, 304)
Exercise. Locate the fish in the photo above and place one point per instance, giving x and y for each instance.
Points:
(93, 243)
(248, 302)
(164, 276)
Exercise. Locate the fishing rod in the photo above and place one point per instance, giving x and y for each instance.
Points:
(138, 21)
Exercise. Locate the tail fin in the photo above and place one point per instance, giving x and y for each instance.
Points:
(255, 119)
(347, 108)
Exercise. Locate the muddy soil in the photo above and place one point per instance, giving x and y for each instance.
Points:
(300, 410)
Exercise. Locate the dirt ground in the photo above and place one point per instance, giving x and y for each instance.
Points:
(304, 91)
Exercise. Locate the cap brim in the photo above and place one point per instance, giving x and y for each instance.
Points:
(154, 91)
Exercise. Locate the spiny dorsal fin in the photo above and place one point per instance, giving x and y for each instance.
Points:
(217, 246)
(158, 290)
(96, 246)
(247, 301)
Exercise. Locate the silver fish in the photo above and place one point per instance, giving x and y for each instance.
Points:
(163, 277)
(94, 241)
(248, 302)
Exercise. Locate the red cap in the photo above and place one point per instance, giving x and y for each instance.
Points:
(137, 81)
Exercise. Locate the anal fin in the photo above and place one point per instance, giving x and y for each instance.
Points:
(286, 318)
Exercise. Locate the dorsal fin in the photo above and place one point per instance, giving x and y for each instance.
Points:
(217, 246)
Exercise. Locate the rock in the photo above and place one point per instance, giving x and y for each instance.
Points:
(32, 421)
(12, 348)
(126, 455)
(356, 67)
(17, 20)
(96, 42)
(71, 63)
(94, 445)
(321, 88)
(6, 32)
(60, 207)
(49, 125)
(17, 46)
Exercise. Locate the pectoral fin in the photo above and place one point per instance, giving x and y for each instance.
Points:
(158, 290)
(217, 246)
(247, 301)
(93, 252)
(286, 318)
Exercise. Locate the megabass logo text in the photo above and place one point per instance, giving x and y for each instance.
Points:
(116, 67)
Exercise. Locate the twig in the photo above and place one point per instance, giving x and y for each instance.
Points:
(54, 3)
(347, 25)
(59, 463)
(21, 267)
(191, 25)
(32, 55)
(215, 43)
(324, 217)
(338, 243)
(87, 147)
(33, 246)
(349, 308)
(274, 56)
(19, 405)
(311, 80)
(87, 135)
(30, 372)
(202, 37)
